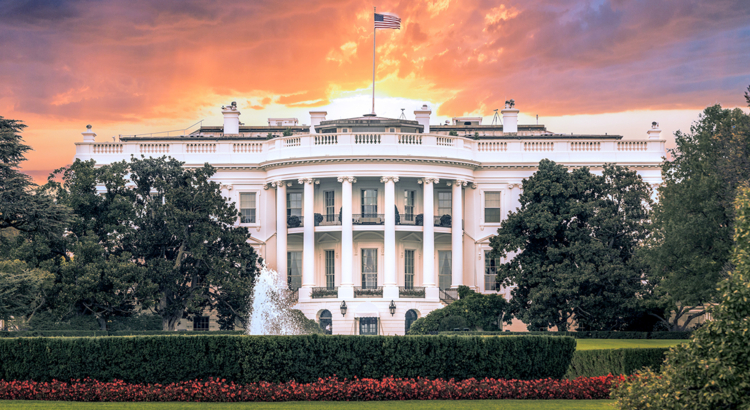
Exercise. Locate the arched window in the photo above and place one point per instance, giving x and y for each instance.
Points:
(326, 322)
(411, 317)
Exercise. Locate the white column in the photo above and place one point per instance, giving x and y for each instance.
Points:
(308, 249)
(428, 240)
(346, 290)
(390, 284)
(281, 229)
(457, 234)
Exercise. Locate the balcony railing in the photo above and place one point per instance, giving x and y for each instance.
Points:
(368, 292)
(327, 220)
(324, 293)
(411, 292)
(448, 296)
(368, 219)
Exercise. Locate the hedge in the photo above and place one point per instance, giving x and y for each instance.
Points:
(99, 333)
(592, 363)
(248, 359)
(584, 335)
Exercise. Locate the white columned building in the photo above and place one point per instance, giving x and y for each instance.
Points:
(385, 216)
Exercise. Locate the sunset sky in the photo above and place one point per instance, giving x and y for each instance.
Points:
(133, 66)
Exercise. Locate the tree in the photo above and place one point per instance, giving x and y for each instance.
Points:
(22, 205)
(475, 310)
(689, 250)
(22, 289)
(712, 370)
(575, 238)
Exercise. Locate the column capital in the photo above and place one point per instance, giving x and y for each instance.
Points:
(308, 181)
(280, 182)
(347, 178)
(389, 178)
(458, 182)
(428, 180)
(228, 187)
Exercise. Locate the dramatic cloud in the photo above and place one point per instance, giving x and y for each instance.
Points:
(138, 62)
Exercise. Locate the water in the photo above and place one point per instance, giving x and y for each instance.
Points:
(270, 307)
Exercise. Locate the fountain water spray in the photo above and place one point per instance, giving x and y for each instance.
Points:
(270, 306)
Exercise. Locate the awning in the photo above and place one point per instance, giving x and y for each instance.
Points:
(367, 309)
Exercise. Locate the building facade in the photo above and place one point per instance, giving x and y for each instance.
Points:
(385, 216)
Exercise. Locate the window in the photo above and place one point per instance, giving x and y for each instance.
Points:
(330, 270)
(444, 203)
(200, 323)
(492, 207)
(444, 269)
(247, 207)
(368, 326)
(369, 203)
(409, 206)
(490, 271)
(294, 204)
(326, 321)
(409, 269)
(411, 317)
(294, 270)
(369, 268)
(393, 130)
(330, 207)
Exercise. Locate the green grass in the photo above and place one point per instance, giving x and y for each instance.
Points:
(328, 405)
(596, 344)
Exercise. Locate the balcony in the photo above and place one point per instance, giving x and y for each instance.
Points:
(411, 292)
(368, 219)
(325, 293)
(368, 292)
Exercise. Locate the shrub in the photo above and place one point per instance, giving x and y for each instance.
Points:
(581, 335)
(445, 220)
(712, 370)
(99, 333)
(453, 133)
(592, 363)
(328, 389)
(293, 221)
(248, 359)
(452, 322)
(419, 220)
(477, 310)
(318, 219)
(398, 216)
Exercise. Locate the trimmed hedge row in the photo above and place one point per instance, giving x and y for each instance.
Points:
(248, 359)
(99, 333)
(592, 363)
(584, 335)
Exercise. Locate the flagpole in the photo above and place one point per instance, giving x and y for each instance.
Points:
(374, 9)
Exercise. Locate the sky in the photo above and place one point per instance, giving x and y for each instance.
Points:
(129, 67)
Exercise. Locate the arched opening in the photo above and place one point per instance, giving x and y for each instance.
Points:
(411, 317)
(326, 322)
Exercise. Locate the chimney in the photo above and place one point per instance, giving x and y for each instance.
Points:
(315, 118)
(231, 119)
(88, 135)
(510, 117)
(654, 133)
(423, 117)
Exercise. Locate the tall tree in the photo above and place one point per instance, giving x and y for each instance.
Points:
(693, 220)
(575, 238)
(22, 289)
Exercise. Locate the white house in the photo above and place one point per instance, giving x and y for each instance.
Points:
(388, 216)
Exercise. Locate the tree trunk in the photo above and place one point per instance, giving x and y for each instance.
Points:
(102, 323)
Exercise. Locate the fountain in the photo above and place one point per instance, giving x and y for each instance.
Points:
(270, 303)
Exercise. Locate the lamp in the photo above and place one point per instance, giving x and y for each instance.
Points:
(343, 308)
(392, 308)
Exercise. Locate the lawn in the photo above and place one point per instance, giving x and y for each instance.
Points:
(335, 405)
(595, 344)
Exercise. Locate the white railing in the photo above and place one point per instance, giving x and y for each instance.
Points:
(154, 148)
(410, 139)
(292, 142)
(444, 142)
(247, 147)
(367, 138)
(539, 146)
(109, 148)
(200, 148)
(632, 145)
(326, 139)
(585, 146)
(492, 146)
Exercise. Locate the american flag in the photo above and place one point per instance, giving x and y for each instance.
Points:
(387, 20)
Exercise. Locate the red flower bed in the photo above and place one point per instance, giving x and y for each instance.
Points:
(329, 389)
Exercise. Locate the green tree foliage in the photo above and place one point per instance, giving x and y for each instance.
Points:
(712, 370)
(575, 238)
(173, 223)
(22, 289)
(691, 243)
(22, 205)
(475, 310)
